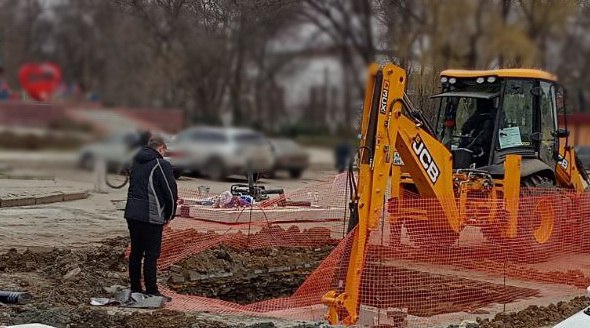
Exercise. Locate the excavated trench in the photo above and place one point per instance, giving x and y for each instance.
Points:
(40, 272)
(246, 276)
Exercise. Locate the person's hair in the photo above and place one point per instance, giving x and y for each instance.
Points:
(156, 142)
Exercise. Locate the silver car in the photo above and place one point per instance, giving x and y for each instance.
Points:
(289, 156)
(220, 152)
(116, 150)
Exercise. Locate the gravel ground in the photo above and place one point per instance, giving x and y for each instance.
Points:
(64, 259)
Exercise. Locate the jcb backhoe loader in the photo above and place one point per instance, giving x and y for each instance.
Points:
(496, 137)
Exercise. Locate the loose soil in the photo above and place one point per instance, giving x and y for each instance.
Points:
(62, 282)
(246, 276)
(536, 316)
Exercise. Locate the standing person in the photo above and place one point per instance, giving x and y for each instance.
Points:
(342, 156)
(151, 203)
(479, 129)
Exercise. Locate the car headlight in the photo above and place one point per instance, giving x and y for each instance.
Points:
(491, 79)
(480, 80)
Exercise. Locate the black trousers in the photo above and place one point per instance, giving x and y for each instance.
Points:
(146, 243)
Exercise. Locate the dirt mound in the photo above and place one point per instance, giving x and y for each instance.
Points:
(82, 317)
(246, 275)
(536, 316)
(64, 276)
(62, 281)
(107, 256)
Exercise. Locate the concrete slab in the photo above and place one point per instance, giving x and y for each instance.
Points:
(259, 214)
(26, 192)
(14, 200)
(54, 197)
(75, 195)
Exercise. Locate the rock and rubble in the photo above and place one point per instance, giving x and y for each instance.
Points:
(62, 281)
(245, 276)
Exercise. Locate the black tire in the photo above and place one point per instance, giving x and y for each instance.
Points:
(295, 173)
(257, 176)
(118, 179)
(195, 174)
(215, 169)
(177, 174)
(530, 245)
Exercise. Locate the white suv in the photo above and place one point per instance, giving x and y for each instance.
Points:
(219, 152)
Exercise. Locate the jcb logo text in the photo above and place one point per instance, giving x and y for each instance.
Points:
(384, 95)
(426, 159)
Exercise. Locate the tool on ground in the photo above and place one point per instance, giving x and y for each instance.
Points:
(11, 297)
(257, 192)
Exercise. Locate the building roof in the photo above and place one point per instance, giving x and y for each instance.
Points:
(510, 72)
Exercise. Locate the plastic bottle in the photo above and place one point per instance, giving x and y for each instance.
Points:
(316, 199)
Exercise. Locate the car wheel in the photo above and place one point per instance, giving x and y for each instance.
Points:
(215, 169)
(295, 173)
(256, 176)
(195, 174)
(177, 173)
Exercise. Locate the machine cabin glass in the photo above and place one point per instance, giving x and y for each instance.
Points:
(481, 119)
(466, 119)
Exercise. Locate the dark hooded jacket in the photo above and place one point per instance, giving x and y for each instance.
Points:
(152, 191)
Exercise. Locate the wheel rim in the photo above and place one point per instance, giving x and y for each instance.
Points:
(544, 211)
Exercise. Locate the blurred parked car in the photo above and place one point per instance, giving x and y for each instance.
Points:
(583, 153)
(116, 150)
(289, 156)
(220, 152)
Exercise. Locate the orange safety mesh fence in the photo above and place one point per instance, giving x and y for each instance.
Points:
(417, 271)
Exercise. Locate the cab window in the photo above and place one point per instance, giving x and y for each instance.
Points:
(516, 123)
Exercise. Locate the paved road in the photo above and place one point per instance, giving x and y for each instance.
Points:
(78, 223)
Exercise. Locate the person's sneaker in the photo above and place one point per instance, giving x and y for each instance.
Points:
(166, 298)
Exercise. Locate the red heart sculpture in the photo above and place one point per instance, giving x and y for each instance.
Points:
(39, 80)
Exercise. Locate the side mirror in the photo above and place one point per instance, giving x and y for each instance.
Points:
(561, 133)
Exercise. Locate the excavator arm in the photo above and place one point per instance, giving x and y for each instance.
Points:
(385, 129)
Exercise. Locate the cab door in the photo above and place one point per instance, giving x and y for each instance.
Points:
(549, 143)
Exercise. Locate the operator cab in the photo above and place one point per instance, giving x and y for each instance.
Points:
(485, 115)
